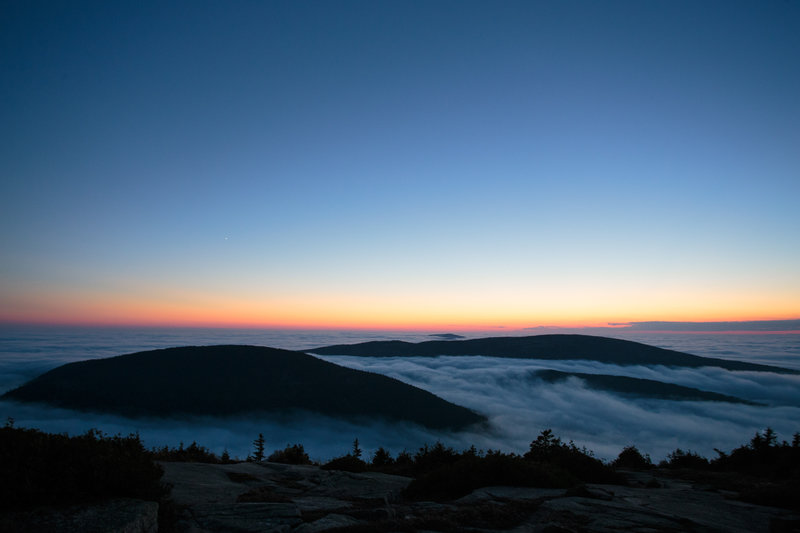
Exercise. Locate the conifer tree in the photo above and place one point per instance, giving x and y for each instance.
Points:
(382, 457)
(258, 445)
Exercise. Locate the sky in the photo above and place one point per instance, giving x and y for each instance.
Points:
(399, 164)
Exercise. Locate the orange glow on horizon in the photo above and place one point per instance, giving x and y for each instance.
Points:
(197, 320)
(462, 311)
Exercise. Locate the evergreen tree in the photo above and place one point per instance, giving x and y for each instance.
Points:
(258, 445)
(356, 450)
(382, 458)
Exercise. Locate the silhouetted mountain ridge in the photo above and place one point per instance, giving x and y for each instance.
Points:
(639, 387)
(548, 347)
(228, 380)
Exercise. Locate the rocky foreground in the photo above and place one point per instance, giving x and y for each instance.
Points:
(276, 497)
(271, 497)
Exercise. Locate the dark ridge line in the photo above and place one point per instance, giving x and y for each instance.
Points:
(640, 387)
(547, 347)
(234, 379)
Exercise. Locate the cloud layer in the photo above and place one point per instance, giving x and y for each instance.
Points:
(518, 406)
(744, 325)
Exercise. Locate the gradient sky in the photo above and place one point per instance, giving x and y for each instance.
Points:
(399, 164)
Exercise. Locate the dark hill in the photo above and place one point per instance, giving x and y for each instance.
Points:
(552, 347)
(228, 380)
(641, 388)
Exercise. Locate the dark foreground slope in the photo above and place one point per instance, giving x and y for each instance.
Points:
(229, 380)
(640, 388)
(550, 347)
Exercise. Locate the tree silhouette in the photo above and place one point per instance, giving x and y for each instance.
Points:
(293, 454)
(761, 442)
(631, 457)
(258, 445)
(382, 458)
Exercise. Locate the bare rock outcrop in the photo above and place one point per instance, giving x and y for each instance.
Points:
(113, 516)
(269, 497)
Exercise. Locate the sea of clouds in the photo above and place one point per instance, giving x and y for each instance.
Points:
(519, 406)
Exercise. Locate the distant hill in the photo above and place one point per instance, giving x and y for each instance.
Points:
(642, 388)
(228, 380)
(552, 347)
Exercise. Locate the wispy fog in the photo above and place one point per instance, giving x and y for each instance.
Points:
(746, 325)
(518, 405)
(323, 437)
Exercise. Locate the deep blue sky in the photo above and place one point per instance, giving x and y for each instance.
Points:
(398, 163)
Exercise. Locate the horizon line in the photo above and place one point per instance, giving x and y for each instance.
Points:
(785, 326)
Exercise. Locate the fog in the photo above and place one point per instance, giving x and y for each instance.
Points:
(519, 406)
(323, 437)
(745, 325)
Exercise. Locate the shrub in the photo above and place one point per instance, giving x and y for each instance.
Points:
(431, 457)
(382, 458)
(45, 469)
(465, 474)
(291, 455)
(579, 462)
(684, 459)
(404, 459)
(348, 463)
(631, 457)
(194, 453)
(762, 457)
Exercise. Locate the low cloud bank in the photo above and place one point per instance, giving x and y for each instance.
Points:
(746, 325)
(323, 437)
(519, 407)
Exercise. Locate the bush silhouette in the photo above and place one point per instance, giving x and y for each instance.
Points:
(443, 473)
(631, 457)
(194, 453)
(763, 457)
(684, 459)
(347, 463)
(431, 457)
(291, 455)
(382, 458)
(45, 469)
(469, 472)
(578, 462)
